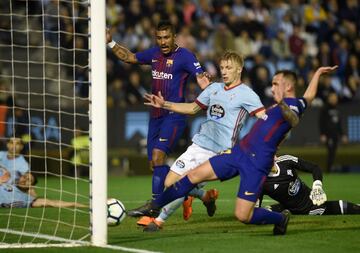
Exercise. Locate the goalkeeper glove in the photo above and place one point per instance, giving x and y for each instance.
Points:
(317, 194)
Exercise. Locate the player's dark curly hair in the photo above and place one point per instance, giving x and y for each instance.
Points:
(165, 25)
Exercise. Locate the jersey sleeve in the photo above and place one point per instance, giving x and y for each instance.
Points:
(253, 103)
(145, 57)
(23, 166)
(191, 64)
(310, 167)
(302, 105)
(203, 100)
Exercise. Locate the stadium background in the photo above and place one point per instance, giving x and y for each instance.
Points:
(297, 35)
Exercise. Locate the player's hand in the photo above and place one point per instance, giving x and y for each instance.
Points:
(157, 101)
(317, 194)
(108, 35)
(4, 175)
(279, 95)
(204, 79)
(324, 70)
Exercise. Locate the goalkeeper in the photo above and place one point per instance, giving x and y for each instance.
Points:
(285, 186)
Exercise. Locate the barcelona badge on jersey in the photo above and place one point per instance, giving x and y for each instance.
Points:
(169, 62)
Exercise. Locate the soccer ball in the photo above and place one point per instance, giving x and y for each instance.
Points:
(116, 212)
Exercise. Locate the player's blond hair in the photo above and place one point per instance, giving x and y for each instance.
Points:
(234, 57)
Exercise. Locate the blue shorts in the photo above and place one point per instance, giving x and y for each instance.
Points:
(165, 132)
(238, 162)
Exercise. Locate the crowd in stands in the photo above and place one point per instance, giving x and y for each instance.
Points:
(297, 35)
(271, 34)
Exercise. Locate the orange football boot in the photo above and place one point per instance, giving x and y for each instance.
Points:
(145, 220)
(187, 207)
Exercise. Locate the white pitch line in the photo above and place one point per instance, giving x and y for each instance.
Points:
(66, 243)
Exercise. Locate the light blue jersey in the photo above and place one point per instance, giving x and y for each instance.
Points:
(227, 111)
(16, 167)
(11, 196)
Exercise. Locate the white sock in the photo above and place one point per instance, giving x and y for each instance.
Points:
(169, 209)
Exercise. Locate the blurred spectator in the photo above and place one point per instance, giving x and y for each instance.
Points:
(131, 38)
(243, 44)
(315, 16)
(260, 79)
(325, 88)
(302, 66)
(117, 96)
(134, 90)
(280, 47)
(258, 15)
(324, 55)
(5, 102)
(204, 45)
(185, 39)
(331, 128)
(286, 25)
(223, 39)
(144, 30)
(352, 78)
(296, 11)
(340, 57)
(112, 12)
(133, 13)
(349, 12)
(189, 9)
(258, 42)
(296, 43)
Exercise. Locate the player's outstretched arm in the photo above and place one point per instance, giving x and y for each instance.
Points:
(288, 114)
(311, 90)
(158, 101)
(41, 202)
(121, 52)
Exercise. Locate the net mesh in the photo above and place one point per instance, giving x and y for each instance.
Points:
(44, 87)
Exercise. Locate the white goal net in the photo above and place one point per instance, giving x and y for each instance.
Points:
(45, 100)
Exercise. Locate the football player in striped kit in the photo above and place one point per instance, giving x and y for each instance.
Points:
(171, 68)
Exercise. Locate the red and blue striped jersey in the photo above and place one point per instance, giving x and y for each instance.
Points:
(169, 73)
(268, 132)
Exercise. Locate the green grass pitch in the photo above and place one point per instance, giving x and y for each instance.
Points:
(221, 233)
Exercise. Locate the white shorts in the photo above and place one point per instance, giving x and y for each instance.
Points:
(191, 158)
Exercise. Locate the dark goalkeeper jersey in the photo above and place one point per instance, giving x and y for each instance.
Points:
(284, 185)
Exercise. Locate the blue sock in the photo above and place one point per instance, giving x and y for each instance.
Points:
(177, 190)
(158, 179)
(263, 216)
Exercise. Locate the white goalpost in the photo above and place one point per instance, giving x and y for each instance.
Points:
(98, 124)
(53, 98)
